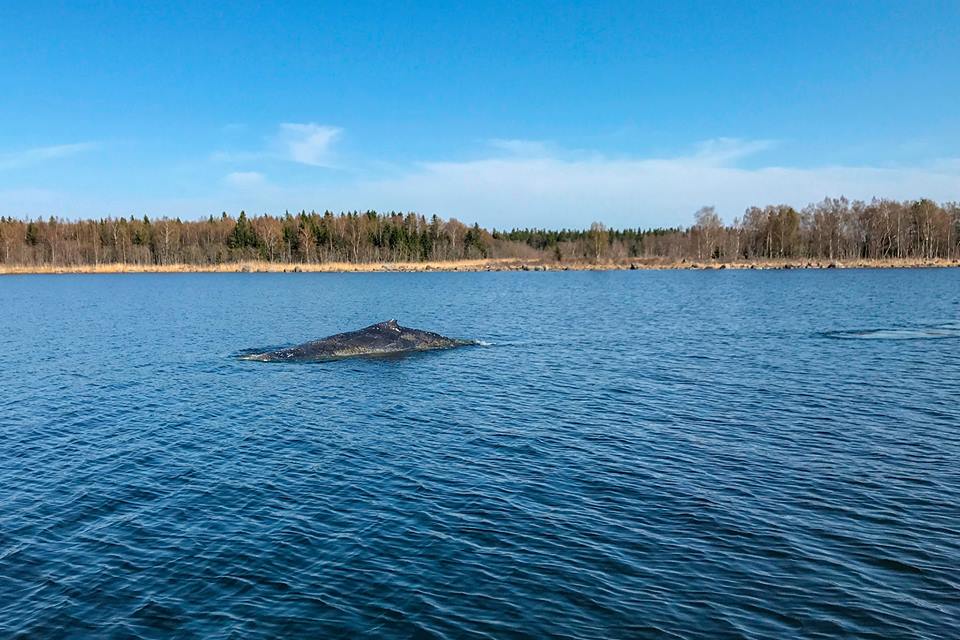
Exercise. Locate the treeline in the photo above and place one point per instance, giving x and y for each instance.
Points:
(304, 238)
(834, 229)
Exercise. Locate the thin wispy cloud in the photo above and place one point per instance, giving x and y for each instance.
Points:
(38, 155)
(303, 143)
(726, 150)
(545, 185)
(245, 179)
(520, 147)
(559, 190)
(308, 143)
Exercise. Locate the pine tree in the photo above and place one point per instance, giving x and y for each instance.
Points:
(244, 236)
(32, 237)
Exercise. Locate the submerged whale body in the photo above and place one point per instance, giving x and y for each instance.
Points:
(378, 339)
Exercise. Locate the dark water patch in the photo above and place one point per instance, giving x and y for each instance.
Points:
(951, 330)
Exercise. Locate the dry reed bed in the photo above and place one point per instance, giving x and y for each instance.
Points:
(502, 264)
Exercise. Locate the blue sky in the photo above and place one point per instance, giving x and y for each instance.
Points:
(510, 114)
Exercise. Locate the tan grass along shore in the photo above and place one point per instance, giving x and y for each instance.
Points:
(500, 264)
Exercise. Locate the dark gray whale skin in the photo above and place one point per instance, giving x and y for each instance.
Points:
(383, 338)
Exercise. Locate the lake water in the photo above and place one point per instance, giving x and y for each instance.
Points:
(630, 454)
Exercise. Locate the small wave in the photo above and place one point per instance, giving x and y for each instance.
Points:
(245, 353)
(951, 330)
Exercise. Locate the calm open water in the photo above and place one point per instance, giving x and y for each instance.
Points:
(633, 454)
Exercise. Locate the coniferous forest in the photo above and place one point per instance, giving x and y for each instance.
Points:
(833, 229)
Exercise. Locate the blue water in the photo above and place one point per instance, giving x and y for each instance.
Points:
(632, 454)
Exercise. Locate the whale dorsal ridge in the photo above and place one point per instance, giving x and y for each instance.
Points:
(389, 325)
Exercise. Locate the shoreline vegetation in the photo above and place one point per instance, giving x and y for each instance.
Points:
(835, 233)
(480, 265)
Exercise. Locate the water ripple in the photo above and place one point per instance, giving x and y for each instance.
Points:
(634, 454)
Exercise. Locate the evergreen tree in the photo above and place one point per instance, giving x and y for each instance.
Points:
(32, 237)
(244, 236)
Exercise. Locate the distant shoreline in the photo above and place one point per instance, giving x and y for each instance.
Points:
(500, 264)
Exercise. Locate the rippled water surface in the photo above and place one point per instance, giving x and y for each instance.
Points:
(633, 454)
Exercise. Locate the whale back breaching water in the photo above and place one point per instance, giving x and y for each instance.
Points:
(383, 338)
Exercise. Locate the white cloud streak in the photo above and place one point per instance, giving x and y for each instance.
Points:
(538, 185)
(38, 155)
(724, 150)
(556, 192)
(309, 143)
(245, 179)
(518, 147)
(304, 143)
